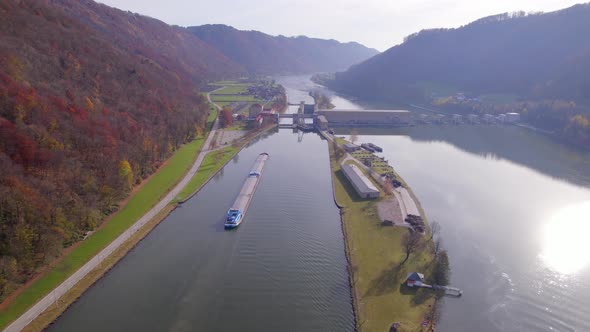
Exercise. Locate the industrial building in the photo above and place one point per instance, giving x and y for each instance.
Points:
(349, 147)
(367, 118)
(321, 122)
(363, 185)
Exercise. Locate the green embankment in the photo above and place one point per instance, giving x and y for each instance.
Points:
(212, 162)
(232, 89)
(146, 197)
(375, 254)
(228, 83)
(231, 93)
(212, 116)
(233, 98)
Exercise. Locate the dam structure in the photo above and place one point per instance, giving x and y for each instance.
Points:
(237, 212)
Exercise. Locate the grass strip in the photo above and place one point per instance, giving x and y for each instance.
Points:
(143, 200)
(232, 98)
(212, 162)
(232, 90)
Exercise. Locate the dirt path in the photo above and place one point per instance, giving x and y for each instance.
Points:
(65, 286)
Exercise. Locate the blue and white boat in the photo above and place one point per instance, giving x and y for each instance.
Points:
(238, 210)
(233, 219)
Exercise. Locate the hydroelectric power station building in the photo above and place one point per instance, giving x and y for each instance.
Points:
(366, 118)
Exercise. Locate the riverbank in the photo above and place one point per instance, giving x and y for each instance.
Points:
(208, 169)
(63, 282)
(61, 305)
(375, 257)
(144, 198)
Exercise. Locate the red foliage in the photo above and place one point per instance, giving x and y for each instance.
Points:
(59, 157)
(226, 117)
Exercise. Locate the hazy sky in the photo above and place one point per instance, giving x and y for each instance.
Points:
(374, 23)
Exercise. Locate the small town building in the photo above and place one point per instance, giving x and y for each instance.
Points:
(361, 183)
(415, 279)
(349, 147)
(512, 117)
(254, 110)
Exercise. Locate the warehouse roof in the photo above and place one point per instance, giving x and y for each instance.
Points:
(358, 179)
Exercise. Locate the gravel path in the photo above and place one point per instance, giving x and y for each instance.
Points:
(390, 210)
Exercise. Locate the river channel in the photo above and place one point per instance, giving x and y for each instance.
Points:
(283, 269)
(514, 207)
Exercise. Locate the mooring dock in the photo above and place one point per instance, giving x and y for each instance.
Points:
(450, 291)
(237, 212)
(415, 279)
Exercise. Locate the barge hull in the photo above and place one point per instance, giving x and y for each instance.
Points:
(246, 194)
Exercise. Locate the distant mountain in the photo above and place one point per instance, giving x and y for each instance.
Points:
(534, 56)
(264, 54)
(92, 100)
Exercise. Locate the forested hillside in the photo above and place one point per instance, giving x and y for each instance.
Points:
(264, 54)
(543, 60)
(92, 100)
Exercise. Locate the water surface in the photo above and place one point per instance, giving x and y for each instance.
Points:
(515, 213)
(283, 269)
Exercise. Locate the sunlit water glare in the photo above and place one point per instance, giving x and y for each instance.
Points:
(566, 248)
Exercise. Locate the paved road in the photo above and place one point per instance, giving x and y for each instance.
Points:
(60, 290)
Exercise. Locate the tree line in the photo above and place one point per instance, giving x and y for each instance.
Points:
(85, 115)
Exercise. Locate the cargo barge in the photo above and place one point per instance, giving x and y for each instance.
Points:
(236, 214)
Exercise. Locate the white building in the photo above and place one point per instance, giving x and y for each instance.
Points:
(512, 117)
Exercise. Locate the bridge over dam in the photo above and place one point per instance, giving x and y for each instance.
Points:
(323, 119)
(349, 118)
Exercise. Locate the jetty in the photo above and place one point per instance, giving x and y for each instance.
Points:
(415, 279)
(237, 212)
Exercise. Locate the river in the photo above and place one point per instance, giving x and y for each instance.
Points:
(283, 269)
(514, 207)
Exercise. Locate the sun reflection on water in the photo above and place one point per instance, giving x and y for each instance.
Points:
(566, 242)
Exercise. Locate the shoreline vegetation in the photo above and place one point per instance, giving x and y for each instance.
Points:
(377, 260)
(144, 197)
(151, 191)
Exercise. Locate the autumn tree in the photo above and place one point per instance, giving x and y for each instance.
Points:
(126, 174)
(83, 118)
(226, 117)
(410, 243)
